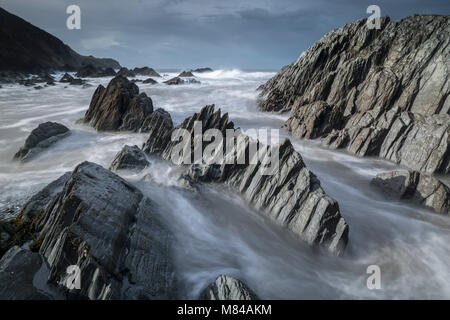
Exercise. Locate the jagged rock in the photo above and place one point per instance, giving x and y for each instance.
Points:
(416, 186)
(40, 138)
(119, 106)
(227, 288)
(292, 196)
(109, 230)
(39, 87)
(201, 70)
(66, 78)
(150, 80)
(89, 71)
(185, 74)
(129, 158)
(178, 80)
(17, 269)
(146, 71)
(125, 72)
(375, 92)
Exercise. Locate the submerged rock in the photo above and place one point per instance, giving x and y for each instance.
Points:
(374, 92)
(227, 288)
(178, 80)
(104, 226)
(418, 187)
(291, 196)
(146, 71)
(119, 106)
(40, 138)
(17, 269)
(150, 80)
(129, 158)
(201, 70)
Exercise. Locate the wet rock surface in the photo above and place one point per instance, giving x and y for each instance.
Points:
(119, 106)
(17, 269)
(292, 196)
(374, 92)
(104, 226)
(40, 138)
(227, 288)
(129, 158)
(415, 186)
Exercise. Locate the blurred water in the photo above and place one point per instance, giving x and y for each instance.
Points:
(216, 232)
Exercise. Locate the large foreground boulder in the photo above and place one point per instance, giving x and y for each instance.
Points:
(227, 288)
(291, 196)
(104, 227)
(415, 186)
(119, 106)
(40, 138)
(374, 92)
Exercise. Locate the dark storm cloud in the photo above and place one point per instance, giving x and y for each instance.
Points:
(190, 33)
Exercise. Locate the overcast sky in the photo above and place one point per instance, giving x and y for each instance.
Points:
(257, 34)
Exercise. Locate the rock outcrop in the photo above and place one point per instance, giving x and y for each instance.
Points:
(105, 227)
(291, 196)
(67, 78)
(25, 47)
(146, 71)
(227, 288)
(374, 92)
(178, 80)
(125, 72)
(202, 70)
(185, 74)
(89, 71)
(119, 106)
(41, 138)
(415, 186)
(150, 81)
(129, 158)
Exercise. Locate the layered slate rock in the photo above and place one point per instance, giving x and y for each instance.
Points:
(129, 158)
(374, 92)
(227, 288)
(40, 138)
(292, 196)
(119, 106)
(415, 186)
(146, 71)
(105, 226)
(17, 269)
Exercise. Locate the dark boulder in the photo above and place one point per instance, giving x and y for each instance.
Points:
(17, 269)
(202, 70)
(125, 72)
(227, 288)
(178, 80)
(129, 158)
(146, 71)
(89, 71)
(415, 186)
(66, 78)
(40, 138)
